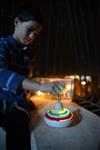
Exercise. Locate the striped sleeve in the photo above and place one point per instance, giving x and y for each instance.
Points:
(9, 80)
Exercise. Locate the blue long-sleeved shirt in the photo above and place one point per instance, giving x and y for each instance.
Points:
(10, 76)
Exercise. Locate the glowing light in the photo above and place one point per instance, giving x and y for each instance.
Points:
(68, 86)
(88, 78)
(77, 77)
(39, 93)
(62, 112)
(70, 117)
(83, 82)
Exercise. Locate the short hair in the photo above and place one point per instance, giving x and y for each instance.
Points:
(29, 12)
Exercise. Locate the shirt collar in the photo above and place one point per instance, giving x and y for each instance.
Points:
(17, 44)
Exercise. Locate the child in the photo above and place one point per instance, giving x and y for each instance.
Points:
(14, 68)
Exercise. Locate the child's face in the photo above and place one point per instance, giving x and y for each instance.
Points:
(26, 32)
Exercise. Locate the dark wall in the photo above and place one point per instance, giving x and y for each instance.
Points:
(70, 41)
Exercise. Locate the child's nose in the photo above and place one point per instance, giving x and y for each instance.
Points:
(31, 35)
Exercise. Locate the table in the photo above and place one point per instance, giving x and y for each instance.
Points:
(83, 134)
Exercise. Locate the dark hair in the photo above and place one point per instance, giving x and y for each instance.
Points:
(26, 13)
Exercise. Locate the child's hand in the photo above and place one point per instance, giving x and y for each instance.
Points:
(58, 88)
(54, 88)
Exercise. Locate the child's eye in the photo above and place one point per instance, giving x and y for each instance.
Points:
(30, 30)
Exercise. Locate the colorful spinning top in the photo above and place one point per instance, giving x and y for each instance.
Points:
(58, 116)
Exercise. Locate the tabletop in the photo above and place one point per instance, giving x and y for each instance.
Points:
(82, 134)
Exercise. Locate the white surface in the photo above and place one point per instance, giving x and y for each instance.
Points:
(83, 134)
(33, 142)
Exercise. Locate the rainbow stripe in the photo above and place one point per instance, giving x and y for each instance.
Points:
(70, 116)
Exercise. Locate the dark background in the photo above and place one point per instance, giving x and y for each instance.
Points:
(70, 41)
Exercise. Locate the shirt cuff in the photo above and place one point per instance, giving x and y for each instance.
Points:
(10, 81)
(16, 82)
